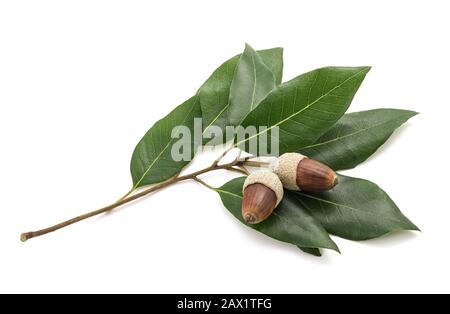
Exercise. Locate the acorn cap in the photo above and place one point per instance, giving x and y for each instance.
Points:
(267, 178)
(286, 169)
(298, 172)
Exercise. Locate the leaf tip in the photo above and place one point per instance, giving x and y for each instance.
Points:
(366, 68)
(333, 246)
(414, 228)
(248, 47)
(408, 113)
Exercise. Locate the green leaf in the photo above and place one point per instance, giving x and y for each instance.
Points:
(273, 59)
(252, 81)
(214, 93)
(356, 136)
(152, 161)
(305, 107)
(288, 223)
(312, 251)
(355, 209)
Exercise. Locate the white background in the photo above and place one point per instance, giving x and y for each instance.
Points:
(82, 81)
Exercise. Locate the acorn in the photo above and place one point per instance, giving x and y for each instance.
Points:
(298, 172)
(262, 192)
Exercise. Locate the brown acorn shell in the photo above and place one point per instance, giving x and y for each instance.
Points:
(314, 176)
(258, 202)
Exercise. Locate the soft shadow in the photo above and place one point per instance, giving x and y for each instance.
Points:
(139, 200)
(265, 241)
(124, 206)
(390, 141)
(259, 238)
(393, 239)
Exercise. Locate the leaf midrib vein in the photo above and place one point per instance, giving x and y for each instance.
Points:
(254, 82)
(165, 148)
(343, 205)
(286, 220)
(347, 135)
(217, 117)
(226, 192)
(305, 108)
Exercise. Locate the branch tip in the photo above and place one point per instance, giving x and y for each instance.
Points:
(24, 236)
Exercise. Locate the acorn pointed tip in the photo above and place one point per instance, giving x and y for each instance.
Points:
(336, 180)
(250, 218)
